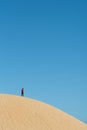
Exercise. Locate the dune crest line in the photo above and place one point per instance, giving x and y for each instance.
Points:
(20, 113)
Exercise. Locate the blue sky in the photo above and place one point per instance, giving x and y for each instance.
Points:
(43, 48)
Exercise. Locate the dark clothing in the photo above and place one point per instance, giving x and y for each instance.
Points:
(22, 92)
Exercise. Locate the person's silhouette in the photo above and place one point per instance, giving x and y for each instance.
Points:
(22, 92)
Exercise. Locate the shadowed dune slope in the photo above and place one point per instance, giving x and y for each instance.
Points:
(20, 113)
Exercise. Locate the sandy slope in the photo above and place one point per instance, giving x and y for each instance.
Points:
(19, 113)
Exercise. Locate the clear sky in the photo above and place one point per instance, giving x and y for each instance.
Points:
(43, 48)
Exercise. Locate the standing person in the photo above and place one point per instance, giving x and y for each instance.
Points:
(22, 92)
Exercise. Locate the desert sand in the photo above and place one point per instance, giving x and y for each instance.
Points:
(20, 113)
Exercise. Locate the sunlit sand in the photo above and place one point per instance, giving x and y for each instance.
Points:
(20, 113)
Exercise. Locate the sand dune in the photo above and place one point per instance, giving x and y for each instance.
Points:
(20, 113)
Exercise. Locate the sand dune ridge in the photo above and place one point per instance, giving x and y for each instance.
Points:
(20, 113)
